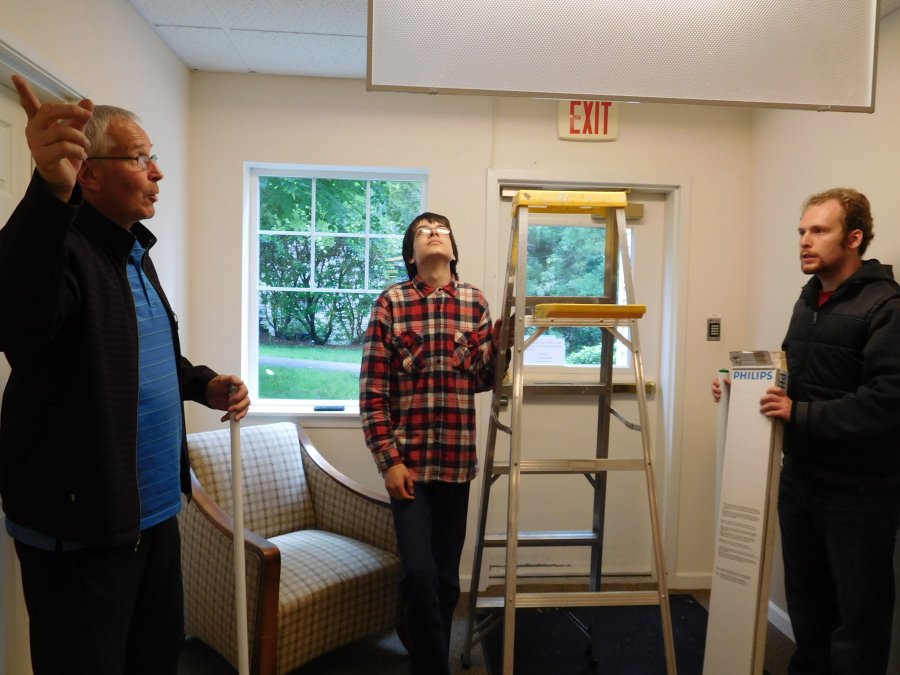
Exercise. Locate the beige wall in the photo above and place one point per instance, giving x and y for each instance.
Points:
(796, 154)
(237, 118)
(107, 46)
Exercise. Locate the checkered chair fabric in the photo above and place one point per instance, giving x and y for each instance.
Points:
(334, 590)
(343, 512)
(276, 495)
(319, 543)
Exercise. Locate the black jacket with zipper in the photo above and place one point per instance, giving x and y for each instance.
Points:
(844, 379)
(68, 327)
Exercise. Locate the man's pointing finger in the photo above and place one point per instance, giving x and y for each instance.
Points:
(26, 97)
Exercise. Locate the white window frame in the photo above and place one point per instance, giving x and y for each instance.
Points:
(576, 373)
(590, 373)
(250, 301)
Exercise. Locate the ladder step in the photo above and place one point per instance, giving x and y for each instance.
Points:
(578, 388)
(581, 599)
(564, 310)
(560, 322)
(559, 538)
(568, 201)
(571, 465)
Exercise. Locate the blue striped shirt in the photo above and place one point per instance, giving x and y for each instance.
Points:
(159, 415)
(159, 408)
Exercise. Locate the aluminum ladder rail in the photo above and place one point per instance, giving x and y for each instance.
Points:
(610, 318)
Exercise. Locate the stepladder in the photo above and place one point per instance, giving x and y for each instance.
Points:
(528, 317)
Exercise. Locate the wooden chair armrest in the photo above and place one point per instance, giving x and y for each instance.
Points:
(263, 651)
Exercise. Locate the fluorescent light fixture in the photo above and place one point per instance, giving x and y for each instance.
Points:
(812, 54)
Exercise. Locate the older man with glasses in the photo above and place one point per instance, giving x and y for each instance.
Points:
(93, 453)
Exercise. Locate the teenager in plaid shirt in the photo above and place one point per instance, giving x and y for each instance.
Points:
(428, 351)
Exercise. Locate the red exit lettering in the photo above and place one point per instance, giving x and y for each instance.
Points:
(573, 117)
(589, 107)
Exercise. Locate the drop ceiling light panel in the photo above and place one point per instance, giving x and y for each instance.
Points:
(814, 54)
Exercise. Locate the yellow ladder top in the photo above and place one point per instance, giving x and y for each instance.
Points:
(589, 311)
(566, 201)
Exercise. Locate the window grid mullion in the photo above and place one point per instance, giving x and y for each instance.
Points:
(300, 289)
(368, 209)
(312, 239)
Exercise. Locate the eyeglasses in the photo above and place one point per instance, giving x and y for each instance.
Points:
(426, 231)
(143, 161)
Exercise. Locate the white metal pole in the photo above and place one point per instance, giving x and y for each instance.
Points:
(240, 579)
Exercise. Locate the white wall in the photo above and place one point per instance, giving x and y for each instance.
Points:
(237, 118)
(795, 154)
(107, 46)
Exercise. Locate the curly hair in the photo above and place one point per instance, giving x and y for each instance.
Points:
(857, 212)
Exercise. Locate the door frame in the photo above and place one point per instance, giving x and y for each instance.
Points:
(676, 240)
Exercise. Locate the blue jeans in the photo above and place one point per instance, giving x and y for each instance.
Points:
(431, 530)
(838, 548)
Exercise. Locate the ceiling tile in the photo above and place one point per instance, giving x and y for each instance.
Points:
(334, 17)
(177, 12)
(300, 54)
(203, 48)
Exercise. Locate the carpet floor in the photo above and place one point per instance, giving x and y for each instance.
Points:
(384, 655)
(630, 640)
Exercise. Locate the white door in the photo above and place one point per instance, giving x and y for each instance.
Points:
(15, 169)
(558, 427)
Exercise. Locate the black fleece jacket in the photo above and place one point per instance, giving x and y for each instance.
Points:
(844, 379)
(68, 326)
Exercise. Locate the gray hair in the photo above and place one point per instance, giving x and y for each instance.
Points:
(97, 129)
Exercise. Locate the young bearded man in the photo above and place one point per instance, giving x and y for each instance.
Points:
(429, 348)
(839, 500)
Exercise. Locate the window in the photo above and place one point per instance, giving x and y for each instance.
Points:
(324, 243)
(570, 261)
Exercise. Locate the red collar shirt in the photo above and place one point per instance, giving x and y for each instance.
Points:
(428, 351)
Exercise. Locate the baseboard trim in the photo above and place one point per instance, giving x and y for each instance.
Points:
(779, 618)
(690, 580)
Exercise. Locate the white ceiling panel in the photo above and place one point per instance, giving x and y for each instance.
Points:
(293, 53)
(739, 52)
(177, 13)
(333, 17)
(323, 38)
(203, 48)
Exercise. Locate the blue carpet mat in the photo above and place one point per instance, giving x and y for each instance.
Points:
(631, 641)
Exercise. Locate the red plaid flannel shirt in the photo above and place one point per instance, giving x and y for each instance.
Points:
(428, 351)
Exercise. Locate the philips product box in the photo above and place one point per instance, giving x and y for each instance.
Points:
(745, 523)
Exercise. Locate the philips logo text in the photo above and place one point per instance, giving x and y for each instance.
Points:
(753, 375)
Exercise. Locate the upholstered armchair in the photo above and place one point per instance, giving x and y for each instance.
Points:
(321, 553)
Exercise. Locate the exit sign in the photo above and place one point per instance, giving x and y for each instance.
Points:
(588, 120)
